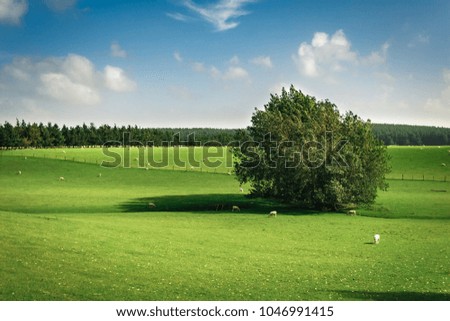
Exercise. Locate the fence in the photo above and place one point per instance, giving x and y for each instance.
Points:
(418, 177)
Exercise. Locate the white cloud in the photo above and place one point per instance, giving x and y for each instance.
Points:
(235, 73)
(60, 5)
(62, 88)
(178, 56)
(263, 61)
(235, 60)
(73, 80)
(177, 16)
(327, 55)
(12, 11)
(376, 57)
(116, 80)
(198, 67)
(222, 15)
(79, 69)
(215, 73)
(117, 51)
(419, 39)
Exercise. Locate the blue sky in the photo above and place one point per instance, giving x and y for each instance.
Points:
(190, 63)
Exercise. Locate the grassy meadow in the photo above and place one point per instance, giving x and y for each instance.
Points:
(93, 237)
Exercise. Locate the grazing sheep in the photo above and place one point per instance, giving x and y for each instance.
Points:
(241, 190)
(235, 208)
(151, 205)
(61, 178)
(229, 173)
(443, 164)
(99, 175)
(19, 173)
(273, 214)
(351, 213)
(376, 239)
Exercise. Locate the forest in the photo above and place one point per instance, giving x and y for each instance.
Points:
(33, 135)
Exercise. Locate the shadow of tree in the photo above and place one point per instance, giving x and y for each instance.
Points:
(209, 203)
(396, 296)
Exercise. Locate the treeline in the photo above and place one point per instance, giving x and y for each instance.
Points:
(412, 135)
(25, 135)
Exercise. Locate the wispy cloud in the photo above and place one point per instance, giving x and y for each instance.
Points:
(177, 16)
(418, 40)
(222, 15)
(12, 11)
(117, 51)
(178, 56)
(263, 61)
(233, 72)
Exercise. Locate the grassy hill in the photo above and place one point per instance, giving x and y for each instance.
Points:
(95, 238)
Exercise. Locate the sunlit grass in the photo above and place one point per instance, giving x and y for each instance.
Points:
(95, 238)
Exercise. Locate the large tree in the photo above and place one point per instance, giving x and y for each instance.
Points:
(304, 151)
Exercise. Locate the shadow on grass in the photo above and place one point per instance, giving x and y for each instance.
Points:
(219, 203)
(396, 296)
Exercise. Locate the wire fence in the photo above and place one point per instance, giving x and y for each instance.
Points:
(419, 177)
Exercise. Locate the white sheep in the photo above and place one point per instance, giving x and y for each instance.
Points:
(273, 214)
(19, 173)
(151, 205)
(376, 239)
(241, 190)
(443, 164)
(99, 175)
(351, 212)
(235, 208)
(61, 178)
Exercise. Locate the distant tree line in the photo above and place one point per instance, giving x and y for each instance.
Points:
(411, 135)
(25, 135)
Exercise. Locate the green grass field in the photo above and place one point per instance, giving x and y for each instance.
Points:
(94, 238)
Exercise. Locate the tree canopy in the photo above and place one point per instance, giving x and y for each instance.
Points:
(304, 151)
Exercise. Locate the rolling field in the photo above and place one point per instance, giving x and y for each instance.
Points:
(94, 238)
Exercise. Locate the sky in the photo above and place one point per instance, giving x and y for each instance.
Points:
(193, 63)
